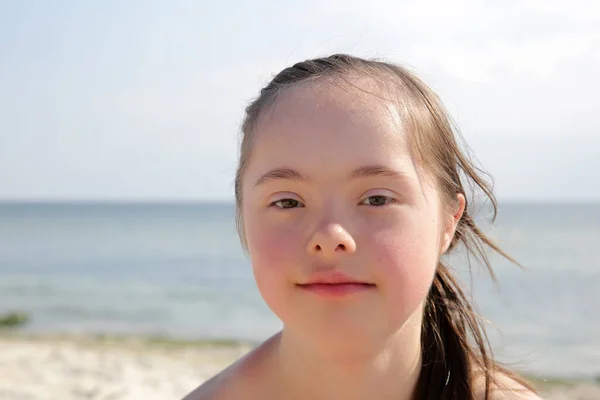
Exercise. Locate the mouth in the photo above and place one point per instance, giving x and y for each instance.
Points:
(336, 289)
(335, 284)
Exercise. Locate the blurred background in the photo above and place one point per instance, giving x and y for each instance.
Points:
(119, 126)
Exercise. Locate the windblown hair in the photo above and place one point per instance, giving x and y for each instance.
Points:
(455, 349)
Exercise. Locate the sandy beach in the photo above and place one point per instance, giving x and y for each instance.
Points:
(128, 369)
(69, 368)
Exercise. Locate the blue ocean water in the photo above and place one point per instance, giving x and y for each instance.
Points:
(178, 270)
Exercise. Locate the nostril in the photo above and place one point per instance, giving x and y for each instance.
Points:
(341, 247)
(318, 247)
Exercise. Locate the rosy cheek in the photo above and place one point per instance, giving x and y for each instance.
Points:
(274, 255)
(270, 248)
(274, 259)
(405, 266)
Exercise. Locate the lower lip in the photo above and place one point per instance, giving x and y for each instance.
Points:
(336, 290)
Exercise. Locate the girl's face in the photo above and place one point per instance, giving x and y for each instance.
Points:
(331, 191)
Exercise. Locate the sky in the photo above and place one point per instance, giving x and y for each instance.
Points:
(142, 100)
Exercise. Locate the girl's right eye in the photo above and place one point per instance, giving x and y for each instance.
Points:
(287, 203)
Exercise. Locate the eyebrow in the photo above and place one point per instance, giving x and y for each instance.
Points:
(291, 174)
(281, 173)
(375, 170)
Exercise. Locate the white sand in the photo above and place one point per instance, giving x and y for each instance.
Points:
(82, 369)
(69, 369)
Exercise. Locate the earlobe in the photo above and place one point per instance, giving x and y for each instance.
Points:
(448, 235)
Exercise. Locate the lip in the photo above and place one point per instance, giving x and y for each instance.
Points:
(333, 278)
(336, 290)
(333, 284)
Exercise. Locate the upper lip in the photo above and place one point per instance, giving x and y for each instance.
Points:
(332, 278)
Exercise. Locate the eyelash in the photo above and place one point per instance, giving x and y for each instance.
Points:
(274, 204)
(388, 200)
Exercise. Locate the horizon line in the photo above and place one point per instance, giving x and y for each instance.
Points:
(231, 201)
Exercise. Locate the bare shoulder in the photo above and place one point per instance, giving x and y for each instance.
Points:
(505, 388)
(212, 389)
(244, 379)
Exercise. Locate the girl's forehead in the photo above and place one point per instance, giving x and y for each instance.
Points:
(358, 94)
(327, 106)
(329, 131)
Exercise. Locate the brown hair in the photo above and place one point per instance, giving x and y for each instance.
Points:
(454, 346)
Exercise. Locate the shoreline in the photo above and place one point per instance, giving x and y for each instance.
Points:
(128, 367)
(157, 342)
(126, 339)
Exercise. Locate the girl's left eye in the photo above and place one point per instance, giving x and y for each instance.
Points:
(287, 203)
(377, 201)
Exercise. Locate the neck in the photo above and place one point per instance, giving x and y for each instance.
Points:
(389, 370)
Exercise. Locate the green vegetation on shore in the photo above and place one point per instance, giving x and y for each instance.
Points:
(542, 382)
(149, 341)
(13, 320)
(166, 341)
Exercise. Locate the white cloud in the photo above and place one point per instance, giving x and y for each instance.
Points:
(540, 58)
(580, 11)
(471, 40)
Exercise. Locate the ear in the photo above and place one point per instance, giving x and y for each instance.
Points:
(452, 222)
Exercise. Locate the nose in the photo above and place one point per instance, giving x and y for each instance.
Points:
(331, 240)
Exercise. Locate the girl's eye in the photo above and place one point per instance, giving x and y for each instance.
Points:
(287, 203)
(377, 200)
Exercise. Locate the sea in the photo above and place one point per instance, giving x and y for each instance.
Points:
(178, 271)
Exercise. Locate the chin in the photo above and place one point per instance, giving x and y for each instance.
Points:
(338, 334)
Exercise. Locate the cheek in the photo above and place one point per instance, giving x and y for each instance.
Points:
(406, 261)
(273, 254)
(271, 249)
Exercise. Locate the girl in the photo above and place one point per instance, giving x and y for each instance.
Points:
(348, 193)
